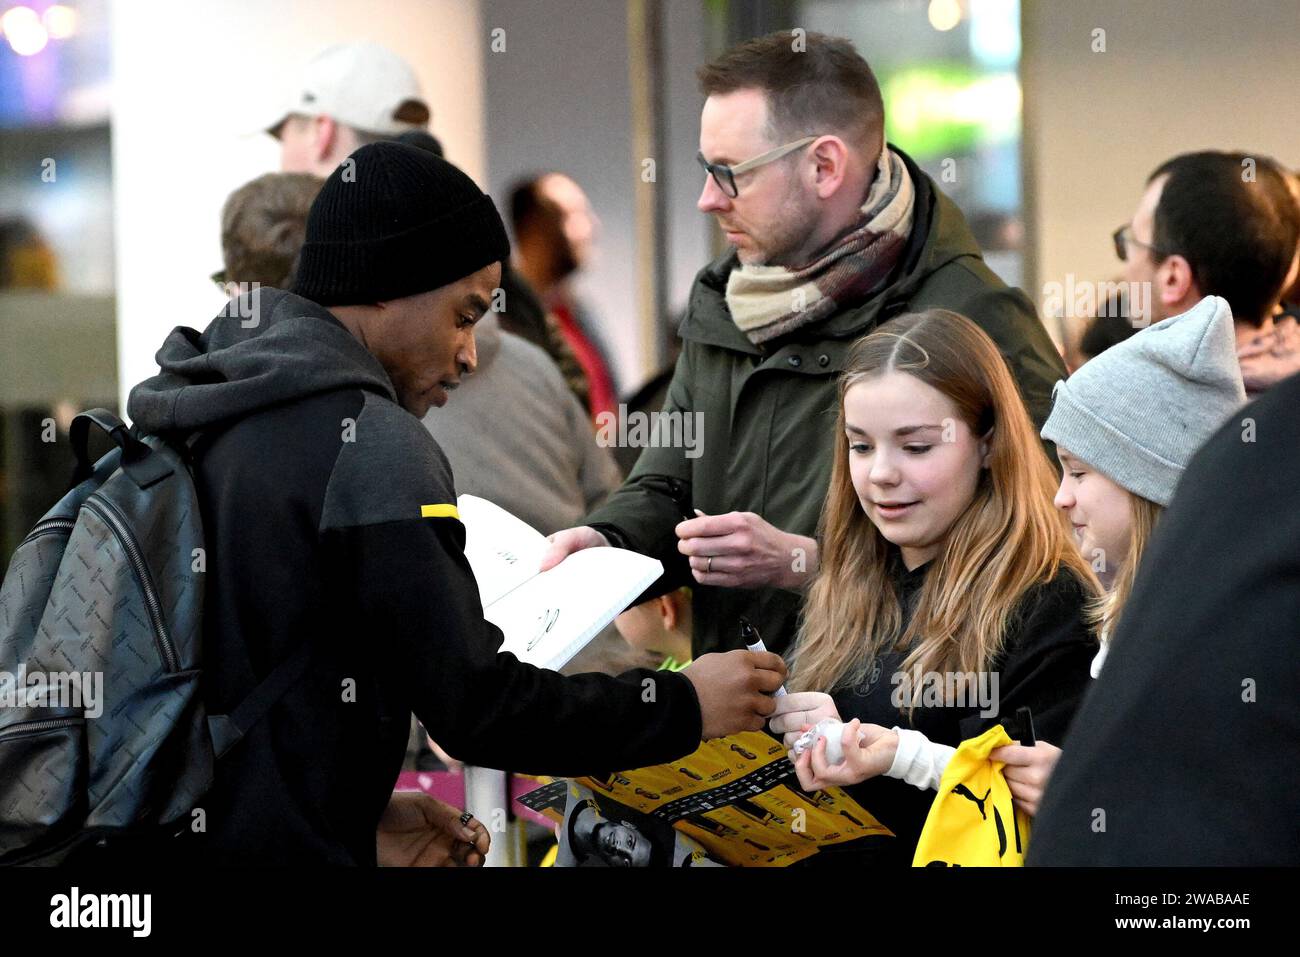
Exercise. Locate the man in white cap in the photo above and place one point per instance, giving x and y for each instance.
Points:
(349, 95)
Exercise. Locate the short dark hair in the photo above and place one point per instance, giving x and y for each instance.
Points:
(815, 84)
(1237, 232)
(529, 206)
(263, 228)
(1109, 327)
(525, 202)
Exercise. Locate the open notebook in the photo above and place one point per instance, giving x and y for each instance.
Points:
(546, 618)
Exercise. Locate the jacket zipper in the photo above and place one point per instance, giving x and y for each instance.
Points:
(48, 527)
(32, 727)
(108, 513)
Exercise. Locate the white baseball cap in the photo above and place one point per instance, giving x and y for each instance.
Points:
(363, 85)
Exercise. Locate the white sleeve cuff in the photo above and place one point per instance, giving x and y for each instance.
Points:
(1099, 659)
(918, 760)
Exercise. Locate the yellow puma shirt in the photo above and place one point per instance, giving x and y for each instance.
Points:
(973, 822)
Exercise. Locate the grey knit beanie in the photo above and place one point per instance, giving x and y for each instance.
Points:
(1140, 410)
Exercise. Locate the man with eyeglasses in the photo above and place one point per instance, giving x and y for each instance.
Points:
(1220, 224)
(832, 232)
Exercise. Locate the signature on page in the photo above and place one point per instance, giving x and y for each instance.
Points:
(545, 622)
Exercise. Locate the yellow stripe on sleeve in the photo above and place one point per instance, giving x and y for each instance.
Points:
(439, 511)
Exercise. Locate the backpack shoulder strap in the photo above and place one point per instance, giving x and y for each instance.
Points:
(138, 461)
(228, 729)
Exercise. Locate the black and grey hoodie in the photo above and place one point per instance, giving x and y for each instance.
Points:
(329, 517)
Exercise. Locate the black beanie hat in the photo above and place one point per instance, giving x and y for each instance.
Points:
(393, 221)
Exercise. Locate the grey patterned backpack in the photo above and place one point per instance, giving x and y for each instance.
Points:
(103, 734)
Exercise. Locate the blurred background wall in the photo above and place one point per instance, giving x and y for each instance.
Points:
(560, 98)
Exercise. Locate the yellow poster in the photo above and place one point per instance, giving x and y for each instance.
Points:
(736, 797)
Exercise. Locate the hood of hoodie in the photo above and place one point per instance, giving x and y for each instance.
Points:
(939, 236)
(265, 348)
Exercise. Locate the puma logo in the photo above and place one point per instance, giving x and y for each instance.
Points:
(979, 802)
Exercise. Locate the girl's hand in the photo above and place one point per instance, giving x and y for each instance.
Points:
(868, 752)
(1027, 771)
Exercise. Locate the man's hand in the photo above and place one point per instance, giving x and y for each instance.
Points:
(742, 550)
(869, 751)
(568, 541)
(800, 710)
(418, 830)
(735, 690)
(1027, 771)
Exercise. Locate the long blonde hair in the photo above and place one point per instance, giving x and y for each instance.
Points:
(1008, 539)
(1104, 612)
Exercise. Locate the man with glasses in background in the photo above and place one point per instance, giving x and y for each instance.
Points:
(1220, 224)
(832, 232)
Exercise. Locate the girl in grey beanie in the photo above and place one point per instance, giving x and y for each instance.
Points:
(1125, 426)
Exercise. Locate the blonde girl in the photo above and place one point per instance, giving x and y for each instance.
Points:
(950, 592)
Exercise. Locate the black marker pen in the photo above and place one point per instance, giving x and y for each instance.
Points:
(754, 642)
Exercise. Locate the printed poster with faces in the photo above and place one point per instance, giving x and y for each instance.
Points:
(734, 801)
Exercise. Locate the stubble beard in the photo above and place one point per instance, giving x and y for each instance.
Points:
(792, 227)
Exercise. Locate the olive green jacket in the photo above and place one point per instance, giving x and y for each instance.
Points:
(762, 434)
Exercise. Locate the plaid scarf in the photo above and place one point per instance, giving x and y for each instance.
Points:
(769, 301)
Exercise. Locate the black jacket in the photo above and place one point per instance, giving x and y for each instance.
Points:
(1187, 749)
(313, 483)
(1044, 665)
